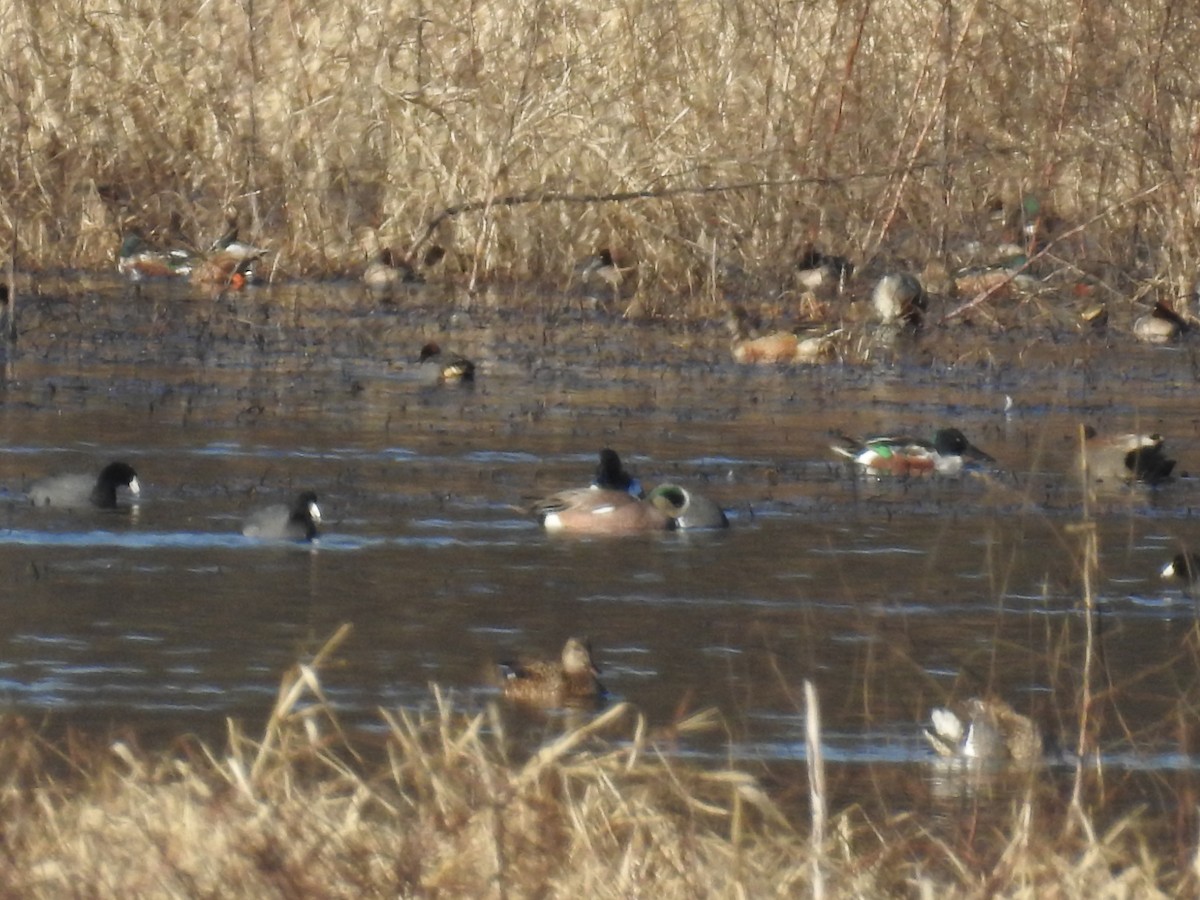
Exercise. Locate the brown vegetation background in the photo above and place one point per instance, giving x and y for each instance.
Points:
(879, 129)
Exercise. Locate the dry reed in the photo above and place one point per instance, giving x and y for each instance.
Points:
(699, 140)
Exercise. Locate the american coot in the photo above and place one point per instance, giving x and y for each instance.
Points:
(569, 681)
(451, 367)
(70, 491)
(297, 522)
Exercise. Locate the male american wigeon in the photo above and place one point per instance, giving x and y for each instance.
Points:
(947, 454)
(1126, 457)
(986, 731)
(570, 680)
(451, 367)
(602, 511)
(750, 347)
(1184, 567)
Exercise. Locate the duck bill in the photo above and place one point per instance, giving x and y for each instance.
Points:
(973, 452)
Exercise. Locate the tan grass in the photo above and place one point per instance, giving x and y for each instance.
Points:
(601, 812)
(726, 131)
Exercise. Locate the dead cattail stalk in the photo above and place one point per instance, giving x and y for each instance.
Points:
(816, 785)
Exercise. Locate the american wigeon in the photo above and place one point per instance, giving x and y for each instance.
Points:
(947, 454)
(1126, 457)
(899, 297)
(570, 680)
(1161, 325)
(74, 491)
(611, 474)
(451, 367)
(601, 511)
(986, 731)
(749, 347)
(297, 522)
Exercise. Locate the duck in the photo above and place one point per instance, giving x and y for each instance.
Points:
(988, 731)
(699, 513)
(1126, 457)
(452, 367)
(229, 263)
(601, 266)
(750, 348)
(899, 297)
(1184, 567)
(604, 511)
(947, 454)
(1160, 326)
(297, 522)
(73, 491)
(816, 270)
(138, 261)
(570, 680)
(386, 270)
(611, 474)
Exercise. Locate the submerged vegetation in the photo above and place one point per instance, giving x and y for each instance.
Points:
(702, 143)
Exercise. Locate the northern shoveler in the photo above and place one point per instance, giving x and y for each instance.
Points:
(452, 368)
(1126, 457)
(570, 680)
(612, 475)
(75, 491)
(899, 298)
(600, 511)
(1184, 567)
(229, 263)
(946, 454)
(138, 261)
(297, 522)
(386, 270)
(749, 347)
(816, 270)
(986, 731)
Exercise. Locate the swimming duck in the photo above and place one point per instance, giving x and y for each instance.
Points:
(1184, 567)
(74, 491)
(386, 270)
(611, 474)
(987, 731)
(899, 298)
(569, 681)
(297, 522)
(138, 261)
(1161, 325)
(603, 511)
(1126, 457)
(777, 347)
(816, 270)
(229, 263)
(947, 454)
(699, 512)
(452, 368)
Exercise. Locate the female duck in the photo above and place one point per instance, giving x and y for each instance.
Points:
(568, 681)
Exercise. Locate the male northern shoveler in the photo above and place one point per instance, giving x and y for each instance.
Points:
(899, 298)
(569, 681)
(78, 491)
(987, 731)
(297, 522)
(946, 454)
(1126, 457)
(386, 270)
(138, 261)
(602, 511)
(230, 263)
(452, 368)
(1184, 567)
(749, 347)
(612, 475)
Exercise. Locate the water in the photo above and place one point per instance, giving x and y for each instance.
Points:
(893, 597)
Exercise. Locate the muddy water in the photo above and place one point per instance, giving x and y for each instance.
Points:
(892, 596)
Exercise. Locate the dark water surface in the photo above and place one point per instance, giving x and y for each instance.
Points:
(891, 596)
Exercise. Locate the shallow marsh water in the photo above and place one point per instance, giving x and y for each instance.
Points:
(892, 596)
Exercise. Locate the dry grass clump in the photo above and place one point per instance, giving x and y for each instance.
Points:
(448, 813)
(711, 138)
